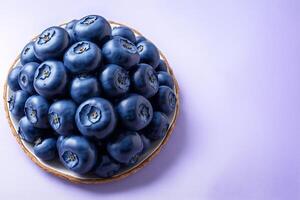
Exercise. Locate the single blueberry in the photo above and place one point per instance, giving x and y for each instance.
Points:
(96, 117)
(148, 53)
(124, 32)
(144, 80)
(61, 117)
(16, 103)
(165, 100)
(26, 77)
(27, 131)
(162, 66)
(158, 126)
(135, 112)
(106, 167)
(82, 57)
(84, 87)
(27, 54)
(71, 24)
(51, 43)
(146, 143)
(115, 80)
(45, 149)
(36, 110)
(51, 79)
(120, 51)
(12, 79)
(164, 78)
(77, 154)
(126, 147)
(92, 28)
(59, 141)
(139, 39)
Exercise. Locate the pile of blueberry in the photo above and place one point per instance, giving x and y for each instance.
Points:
(94, 97)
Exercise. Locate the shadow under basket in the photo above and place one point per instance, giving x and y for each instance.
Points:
(57, 169)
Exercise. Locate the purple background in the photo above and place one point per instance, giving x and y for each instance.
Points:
(237, 63)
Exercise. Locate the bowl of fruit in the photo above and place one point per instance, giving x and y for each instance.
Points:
(91, 101)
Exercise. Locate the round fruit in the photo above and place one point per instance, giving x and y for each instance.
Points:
(96, 117)
(115, 80)
(59, 141)
(36, 110)
(12, 79)
(61, 117)
(165, 100)
(26, 77)
(120, 51)
(162, 66)
(27, 54)
(146, 143)
(140, 39)
(135, 112)
(82, 57)
(51, 43)
(158, 126)
(164, 78)
(84, 87)
(77, 154)
(144, 80)
(69, 29)
(124, 32)
(45, 149)
(149, 53)
(126, 147)
(16, 103)
(27, 131)
(50, 79)
(107, 167)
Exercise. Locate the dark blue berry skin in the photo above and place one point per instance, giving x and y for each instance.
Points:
(45, 149)
(17, 102)
(135, 112)
(61, 117)
(146, 143)
(126, 147)
(51, 43)
(51, 79)
(77, 154)
(140, 39)
(71, 24)
(59, 141)
(162, 66)
(92, 28)
(27, 54)
(164, 78)
(158, 126)
(69, 29)
(148, 53)
(27, 131)
(84, 87)
(106, 167)
(115, 80)
(120, 51)
(165, 100)
(26, 77)
(12, 79)
(36, 110)
(82, 57)
(96, 117)
(144, 80)
(124, 32)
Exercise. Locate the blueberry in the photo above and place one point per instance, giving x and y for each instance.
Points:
(12, 79)
(82, 57)
(95, 117)
(61, 117)
(84, 87)
(106, 167)
(164, 78)
(162, 66)
(115, 80)
(71, 24)
(124, 32)
(165, 100)
(26, 77)
(51, 43)
(92, 28)
(77, 154)
(36, 110)
(27, 131)
(146, 143)
(149, 53)
(17, 102)
(120, 51)
(27, 54)
(158, 126)
(140, 39)
(59, 141)
(126, 147)
(69, 29)
(45, 149)
(144, 80)
(51, 79)
(135, 112)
